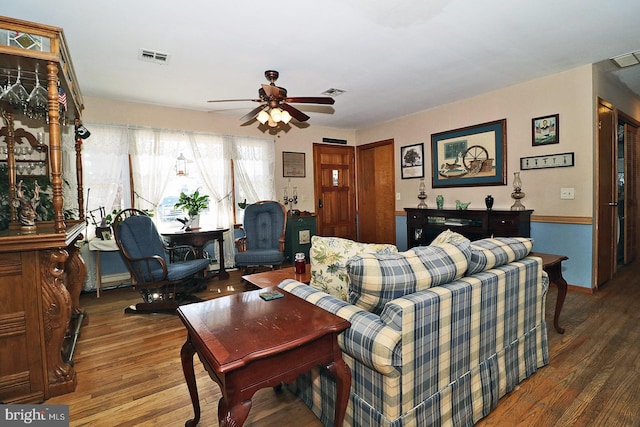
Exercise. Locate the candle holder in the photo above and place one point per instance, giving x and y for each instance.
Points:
(293, 200)
(517, 194)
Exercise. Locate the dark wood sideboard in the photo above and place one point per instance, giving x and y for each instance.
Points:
(423, 225)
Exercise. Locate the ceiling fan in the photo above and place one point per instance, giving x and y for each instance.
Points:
(275, 106)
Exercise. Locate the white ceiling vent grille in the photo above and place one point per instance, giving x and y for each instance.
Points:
(153, 56)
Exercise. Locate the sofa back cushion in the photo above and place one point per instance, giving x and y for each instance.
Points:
(328, 258)
(376, 279)
(489, 253)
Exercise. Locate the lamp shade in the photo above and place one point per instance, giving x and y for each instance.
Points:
(263, 116)
(286, 117)
(276, 114)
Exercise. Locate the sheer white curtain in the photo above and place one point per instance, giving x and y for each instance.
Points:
(212, 157)
(254, 163)
(153, 158)
(104, 156)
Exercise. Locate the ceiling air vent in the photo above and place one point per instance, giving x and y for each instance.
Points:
(333, 92)
(153, 56)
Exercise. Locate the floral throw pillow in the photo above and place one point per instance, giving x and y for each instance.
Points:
(329, 256)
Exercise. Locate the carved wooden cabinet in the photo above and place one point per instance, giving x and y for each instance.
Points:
(41, 271)
(423, 225)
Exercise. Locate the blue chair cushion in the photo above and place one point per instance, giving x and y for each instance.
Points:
(259, 257)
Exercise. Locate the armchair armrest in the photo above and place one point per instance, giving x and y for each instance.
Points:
(368, 339)
(148, 269)
(241, 244)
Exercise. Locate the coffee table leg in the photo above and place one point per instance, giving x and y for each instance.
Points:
(233, 415)
(186, 355)
(342, 374)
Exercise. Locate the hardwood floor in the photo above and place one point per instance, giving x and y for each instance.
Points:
(129, 370)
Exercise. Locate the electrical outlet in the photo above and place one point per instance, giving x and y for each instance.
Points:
(397, 196)
(567, 193)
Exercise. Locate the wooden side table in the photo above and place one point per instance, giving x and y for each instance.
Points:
(552, 265)
(247, 343)
(199, 238)
(275, 277)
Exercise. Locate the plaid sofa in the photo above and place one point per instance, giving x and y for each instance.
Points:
(429, 351)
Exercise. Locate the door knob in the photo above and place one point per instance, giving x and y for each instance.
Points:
(320, 203)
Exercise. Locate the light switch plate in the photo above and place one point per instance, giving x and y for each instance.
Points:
(567, 193)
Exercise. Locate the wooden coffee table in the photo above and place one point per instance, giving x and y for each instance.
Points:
(246, 343)
(275, 277)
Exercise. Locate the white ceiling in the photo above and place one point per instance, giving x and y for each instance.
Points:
(393, 58)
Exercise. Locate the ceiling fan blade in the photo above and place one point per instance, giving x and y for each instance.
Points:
(235, 100)
(295, 113)
(274, 91)
(251, 114)
(311, 100)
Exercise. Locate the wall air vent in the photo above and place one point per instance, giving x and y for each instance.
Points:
(153, 56)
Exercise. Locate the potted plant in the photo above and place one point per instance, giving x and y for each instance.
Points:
(193, 204)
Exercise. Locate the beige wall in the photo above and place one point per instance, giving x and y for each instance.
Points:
(99, 110)
(568, 94)
(571, 94)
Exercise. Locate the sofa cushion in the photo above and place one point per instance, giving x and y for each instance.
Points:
(379, 278)
(328, 258)
(490, 253)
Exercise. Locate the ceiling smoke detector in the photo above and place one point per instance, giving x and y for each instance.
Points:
(153, 56)
(333, 92)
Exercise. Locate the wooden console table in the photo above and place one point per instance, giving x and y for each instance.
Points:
(247, 343)
(552, 265)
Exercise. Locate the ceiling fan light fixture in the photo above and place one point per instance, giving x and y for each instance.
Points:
(286, 117)
(263, 117)
(271, 123)
(276, 114)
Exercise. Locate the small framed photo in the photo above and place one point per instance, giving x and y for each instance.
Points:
(412, 161)
(545, 130)
(293, 165)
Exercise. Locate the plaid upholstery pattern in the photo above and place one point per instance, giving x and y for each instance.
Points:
(376, 279)
(463, 345)
(490, 253)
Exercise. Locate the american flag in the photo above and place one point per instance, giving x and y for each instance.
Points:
(62, 97)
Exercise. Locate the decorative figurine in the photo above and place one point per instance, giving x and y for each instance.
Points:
(440, 201)
(462, 205)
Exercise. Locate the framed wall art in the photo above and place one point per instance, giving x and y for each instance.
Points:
(293, 165)
(560, 160)
(470, 156)
(545, 130)
(412, 161)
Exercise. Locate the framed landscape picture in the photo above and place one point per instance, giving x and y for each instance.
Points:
(545, 130)
(474, 155)
(412, 161)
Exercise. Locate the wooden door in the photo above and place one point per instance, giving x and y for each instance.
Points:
(606, 195)
(630, 191)
(376, 193)
(335, 190)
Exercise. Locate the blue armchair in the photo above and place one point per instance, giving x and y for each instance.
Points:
(164, 284)
(263, 241)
